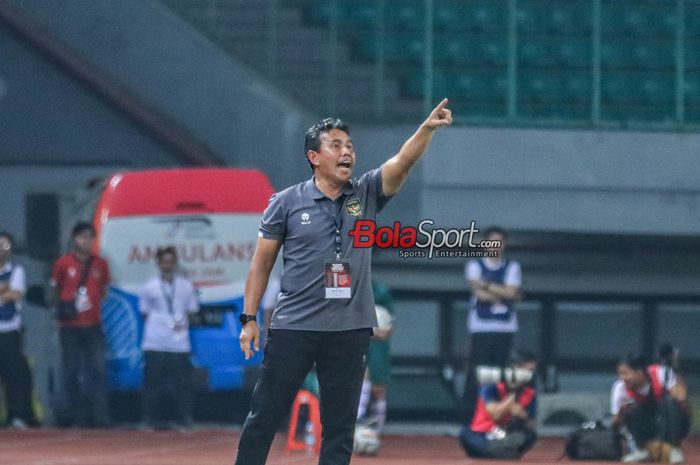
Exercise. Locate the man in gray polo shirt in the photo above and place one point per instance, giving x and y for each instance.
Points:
(325, 311)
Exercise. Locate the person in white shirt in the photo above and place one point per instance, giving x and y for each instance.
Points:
(165, 302)
(14, 369)
(492, 322)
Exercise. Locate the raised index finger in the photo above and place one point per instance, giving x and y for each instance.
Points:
(441, 105)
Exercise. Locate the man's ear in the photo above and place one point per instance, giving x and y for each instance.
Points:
(313, 156)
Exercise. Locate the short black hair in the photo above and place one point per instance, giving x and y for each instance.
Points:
(82, 226)
(495, 230)
(8, 236)
(312, 140)
(634, 361)
(166, 250)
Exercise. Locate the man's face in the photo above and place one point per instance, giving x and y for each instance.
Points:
(83, 241)
(524, 372)
(167, 264)
(633, 379)
(335, 157)
(5, 248)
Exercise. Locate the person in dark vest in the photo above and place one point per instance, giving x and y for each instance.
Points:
(649, 406)
(492, 323)
(14, 369)
(503, 425)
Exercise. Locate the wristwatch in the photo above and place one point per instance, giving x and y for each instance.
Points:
(244, 318)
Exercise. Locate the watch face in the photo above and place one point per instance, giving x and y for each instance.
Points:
(245, 318)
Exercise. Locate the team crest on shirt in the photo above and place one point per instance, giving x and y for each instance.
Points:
(354, 207)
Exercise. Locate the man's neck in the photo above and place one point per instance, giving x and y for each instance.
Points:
(330, 189)
(80, 255)
(3, 262)
(168, 278)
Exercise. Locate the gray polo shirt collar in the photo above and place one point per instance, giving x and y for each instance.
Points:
(316, 193)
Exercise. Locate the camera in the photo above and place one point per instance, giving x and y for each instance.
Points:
(512, 376)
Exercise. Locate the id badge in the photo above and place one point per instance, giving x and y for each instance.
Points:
(82, 300)
(338, 280)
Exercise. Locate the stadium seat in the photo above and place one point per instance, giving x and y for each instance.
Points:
(535, 53)
(451, 15)
(618, 88)
(574, 52)
(577, 88)
(458, 50)
(657, 88)
(692, 52)
(364, 15)
(488, 16)
(405, 15)
(540, 87)
(615, 54)
(569, 18)
(494, 50)
(653, 54)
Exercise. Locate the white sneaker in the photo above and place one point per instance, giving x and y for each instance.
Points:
(18, 423)
(676, 456)
(641, 455)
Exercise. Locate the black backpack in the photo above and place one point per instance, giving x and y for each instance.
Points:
(594, 442)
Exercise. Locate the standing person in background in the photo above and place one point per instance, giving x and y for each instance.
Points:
(495, 284)
(373, 396)
(14, 369)
(165, 303)
(81, 281)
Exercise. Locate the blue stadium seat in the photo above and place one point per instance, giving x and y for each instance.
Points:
(692, 89)
(654, 54)
(494, 50)
(692, 52)
(405, 14)
(570, 18)
(451, 15)
(577, 88)
(457, 50)
(536, 53)
(657, 88)
(615, 54)
(364, 14)
(540, 87)
(488, 16)
(618, 88)
(574, 53)
(406, 48)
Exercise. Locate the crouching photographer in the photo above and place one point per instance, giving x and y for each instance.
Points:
(503, 423)
(649, 407)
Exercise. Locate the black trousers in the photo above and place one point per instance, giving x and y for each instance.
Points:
(168, 372)
(341, 359)
(492, 349)
(84, 373)
(15, 375)
(666, 421)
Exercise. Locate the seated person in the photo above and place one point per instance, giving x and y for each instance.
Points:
(503, 423)
(648, 405)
